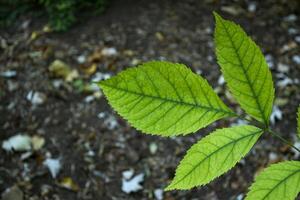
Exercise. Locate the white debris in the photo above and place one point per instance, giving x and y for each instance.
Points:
(36, 98)
(53, 165)
(132, 185)
(153, 148)
(239, 122)
(89, 99)
(109, 120)
(81, 59)
(284, 81)
(208, 30)
(283, 68)
(221, 80)
(290, 18)
(273, 156)
(296, 59)
(101, 115)
(270, 60)
(199, 71)
(296, 153)
(100, 76)
(8, 74)
(158, 193)
(57, 83)
(17, 143)
(90, 153)
(276, 114)
(109, 51)
(128, 174)
(292, 31)
(297, 38)
(240, 197)
(252, 7)
(210, 58)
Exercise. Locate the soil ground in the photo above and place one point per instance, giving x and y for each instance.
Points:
(95, 145)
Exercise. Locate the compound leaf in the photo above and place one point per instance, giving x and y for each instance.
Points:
(298, 122)
(164, 98)
(214, 155)
(279, 181)
(245, 69)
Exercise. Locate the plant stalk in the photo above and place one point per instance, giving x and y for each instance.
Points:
(283, 140)
(273, 133)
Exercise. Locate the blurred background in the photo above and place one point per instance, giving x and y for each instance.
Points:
(60, 139)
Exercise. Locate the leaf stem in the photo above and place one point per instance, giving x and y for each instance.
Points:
(271, 132)
(283, 140)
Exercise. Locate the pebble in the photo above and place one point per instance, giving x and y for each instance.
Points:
(133, 185)
(17, 143)
(81, 59)
(109, 52)
(158, 193)
(53, 165)
(275, 115)
(8, 74)
(252, 7)
(270, 60)
(290, 18)
(296, 59)
(36, 98)
(283, 68)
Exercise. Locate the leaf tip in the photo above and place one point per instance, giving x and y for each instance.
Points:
(217, 16)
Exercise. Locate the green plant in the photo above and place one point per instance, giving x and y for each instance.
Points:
(168, 99)
(61, 13)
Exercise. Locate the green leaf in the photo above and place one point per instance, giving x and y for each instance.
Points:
(279, 181)
(298, 122)
(214, 155)
(164, 98)
(245, 69)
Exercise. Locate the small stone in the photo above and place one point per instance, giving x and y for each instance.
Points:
(128, 174)
(8, 74)
(290, 18)
(283, 68)
(296, 59)
(17, 143)
(53, 165)
(153, 148)
(109, 52)
(36, 98)
(132, 185)
(270, 60)
(252, 7)
(221, 80)
(232, 10)
(275, 115)
(81, 59)
(158, 193)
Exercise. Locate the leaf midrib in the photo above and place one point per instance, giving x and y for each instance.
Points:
(214, 152)
(278, 184)
(246, 74)
(172, 100)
